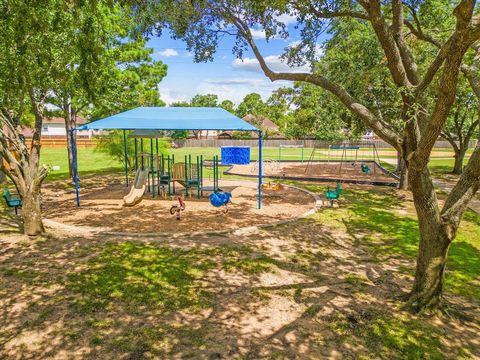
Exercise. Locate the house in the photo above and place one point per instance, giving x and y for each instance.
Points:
(269, 128)
(54, 127)
(262, 122)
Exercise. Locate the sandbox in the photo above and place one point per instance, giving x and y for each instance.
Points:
(102, 208)
(348, 172)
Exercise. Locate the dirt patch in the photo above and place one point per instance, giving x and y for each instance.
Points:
(102, 207)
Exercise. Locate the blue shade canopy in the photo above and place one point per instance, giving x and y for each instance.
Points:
(171, 118)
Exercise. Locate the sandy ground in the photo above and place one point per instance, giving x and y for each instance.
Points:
(314, 170)
(303, 306)
(102, 207)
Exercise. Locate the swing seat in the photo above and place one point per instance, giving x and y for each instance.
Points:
(334, 194)
(366, 169)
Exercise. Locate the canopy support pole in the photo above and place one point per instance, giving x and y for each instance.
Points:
(125, 157)
(260, 174)
(75, 170)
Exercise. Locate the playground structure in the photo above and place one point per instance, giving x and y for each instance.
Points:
(157, 120)
(159, 174)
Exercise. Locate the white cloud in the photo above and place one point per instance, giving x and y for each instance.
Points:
(170, 96)
(236, 81)
(294, 43)
(168, 52)
(235, 89)
(319, 50)
(258, 33)
(287, 19)
(273, 61)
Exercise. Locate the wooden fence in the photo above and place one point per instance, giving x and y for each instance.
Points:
(275, 143)
(217, 143)
(82, 143)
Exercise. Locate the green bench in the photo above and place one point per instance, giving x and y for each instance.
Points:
(12, 202)
(332, 195)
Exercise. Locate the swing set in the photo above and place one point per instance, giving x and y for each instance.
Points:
(347, 154)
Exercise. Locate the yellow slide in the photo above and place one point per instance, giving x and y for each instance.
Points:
(138, 188)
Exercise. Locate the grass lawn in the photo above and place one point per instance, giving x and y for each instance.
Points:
(330, 286)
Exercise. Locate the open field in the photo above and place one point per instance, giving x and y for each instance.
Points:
(258, 294)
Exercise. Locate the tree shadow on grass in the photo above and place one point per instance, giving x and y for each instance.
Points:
(140, 275)
(376, 223)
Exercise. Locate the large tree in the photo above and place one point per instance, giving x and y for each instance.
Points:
(314, 113)
(37, 40)
(124, 77)
(405, 32)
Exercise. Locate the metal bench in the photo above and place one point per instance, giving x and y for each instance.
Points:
(12, 202)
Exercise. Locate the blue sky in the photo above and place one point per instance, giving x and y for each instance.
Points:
(226, 76)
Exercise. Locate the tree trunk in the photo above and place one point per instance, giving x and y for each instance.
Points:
(70, 122)
(402, 171)
(459, 157)
(69, 151)
(435, 239)
(2, 175)
(31, 212)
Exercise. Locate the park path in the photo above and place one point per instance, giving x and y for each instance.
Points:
(444, 185)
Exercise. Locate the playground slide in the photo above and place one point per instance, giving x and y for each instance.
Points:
(136, 192)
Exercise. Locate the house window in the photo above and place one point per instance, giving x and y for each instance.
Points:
(45, 128)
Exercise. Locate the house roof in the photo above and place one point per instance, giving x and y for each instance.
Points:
(171, 118)
(261, 121)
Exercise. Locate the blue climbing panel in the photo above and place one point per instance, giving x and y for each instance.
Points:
(235, 155)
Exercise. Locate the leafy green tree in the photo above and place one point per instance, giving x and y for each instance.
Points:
(251, 104)
(133, 79)
(37, 41)
(180, 104)
(278, 106)
(179, 134)
(208, 100)
(423, 46)
(316, 114)
(228, 105)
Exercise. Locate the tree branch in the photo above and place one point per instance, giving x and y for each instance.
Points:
(385, 132)
(418, 31)
(406, 55)
(389, 45)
